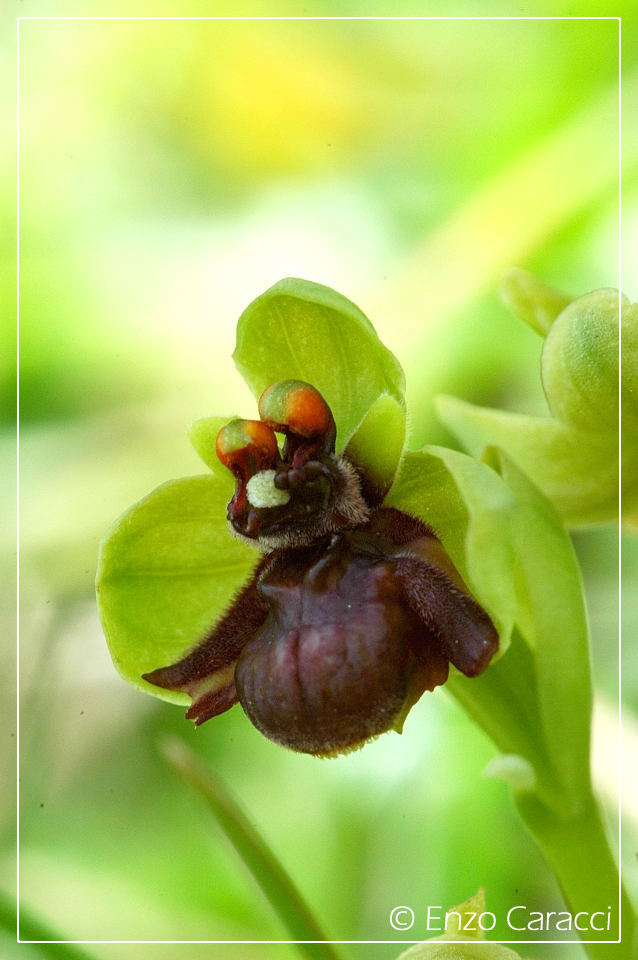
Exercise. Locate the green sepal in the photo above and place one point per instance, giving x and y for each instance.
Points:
(576, 471)
(203, 436)
(517, 559)
(377, 444)
(166, 570)
(504, 702)
(305, 331)
(469, 508)
(532, 301)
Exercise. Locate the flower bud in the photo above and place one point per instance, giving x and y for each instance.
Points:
(580, 362)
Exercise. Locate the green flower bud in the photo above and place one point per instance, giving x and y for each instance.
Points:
(580, 362)
(461, 949)
(572, 456)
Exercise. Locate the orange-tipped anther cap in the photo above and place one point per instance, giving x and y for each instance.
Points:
(296, 406)
(247, 446)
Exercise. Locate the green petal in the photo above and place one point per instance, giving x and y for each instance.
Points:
(377, 443)
(472, 510)
(580, 363)
(203, 435)
(532, 301)
(576, 471)
(166, 570)
(305, 331)
(469, 507)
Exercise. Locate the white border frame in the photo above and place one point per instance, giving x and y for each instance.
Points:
(620, 772)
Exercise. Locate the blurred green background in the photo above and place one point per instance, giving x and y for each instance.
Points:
(170, 172)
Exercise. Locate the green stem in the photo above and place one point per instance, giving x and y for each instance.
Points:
(260, 860)
(31, 928)
(578, 851)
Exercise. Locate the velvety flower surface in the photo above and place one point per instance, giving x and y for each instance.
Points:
(354, 607)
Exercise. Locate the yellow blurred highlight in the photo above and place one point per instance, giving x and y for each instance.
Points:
(281, 107)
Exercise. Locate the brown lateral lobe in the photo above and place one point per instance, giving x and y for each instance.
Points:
(222, 646)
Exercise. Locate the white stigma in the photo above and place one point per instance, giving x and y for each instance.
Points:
(262, 491)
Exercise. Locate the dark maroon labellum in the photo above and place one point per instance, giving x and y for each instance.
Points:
(354, 611)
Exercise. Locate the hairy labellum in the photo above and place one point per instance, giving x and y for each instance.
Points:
(352, 613)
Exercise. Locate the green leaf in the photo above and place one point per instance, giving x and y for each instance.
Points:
(305, 331)
(576, 471)
(203, 435)
(469, 507)
(579, 365)
(32, 927)
(578, 852)
(166, 570)
(556, 610)
(269, 873)
(377, 443)
(532, 301)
